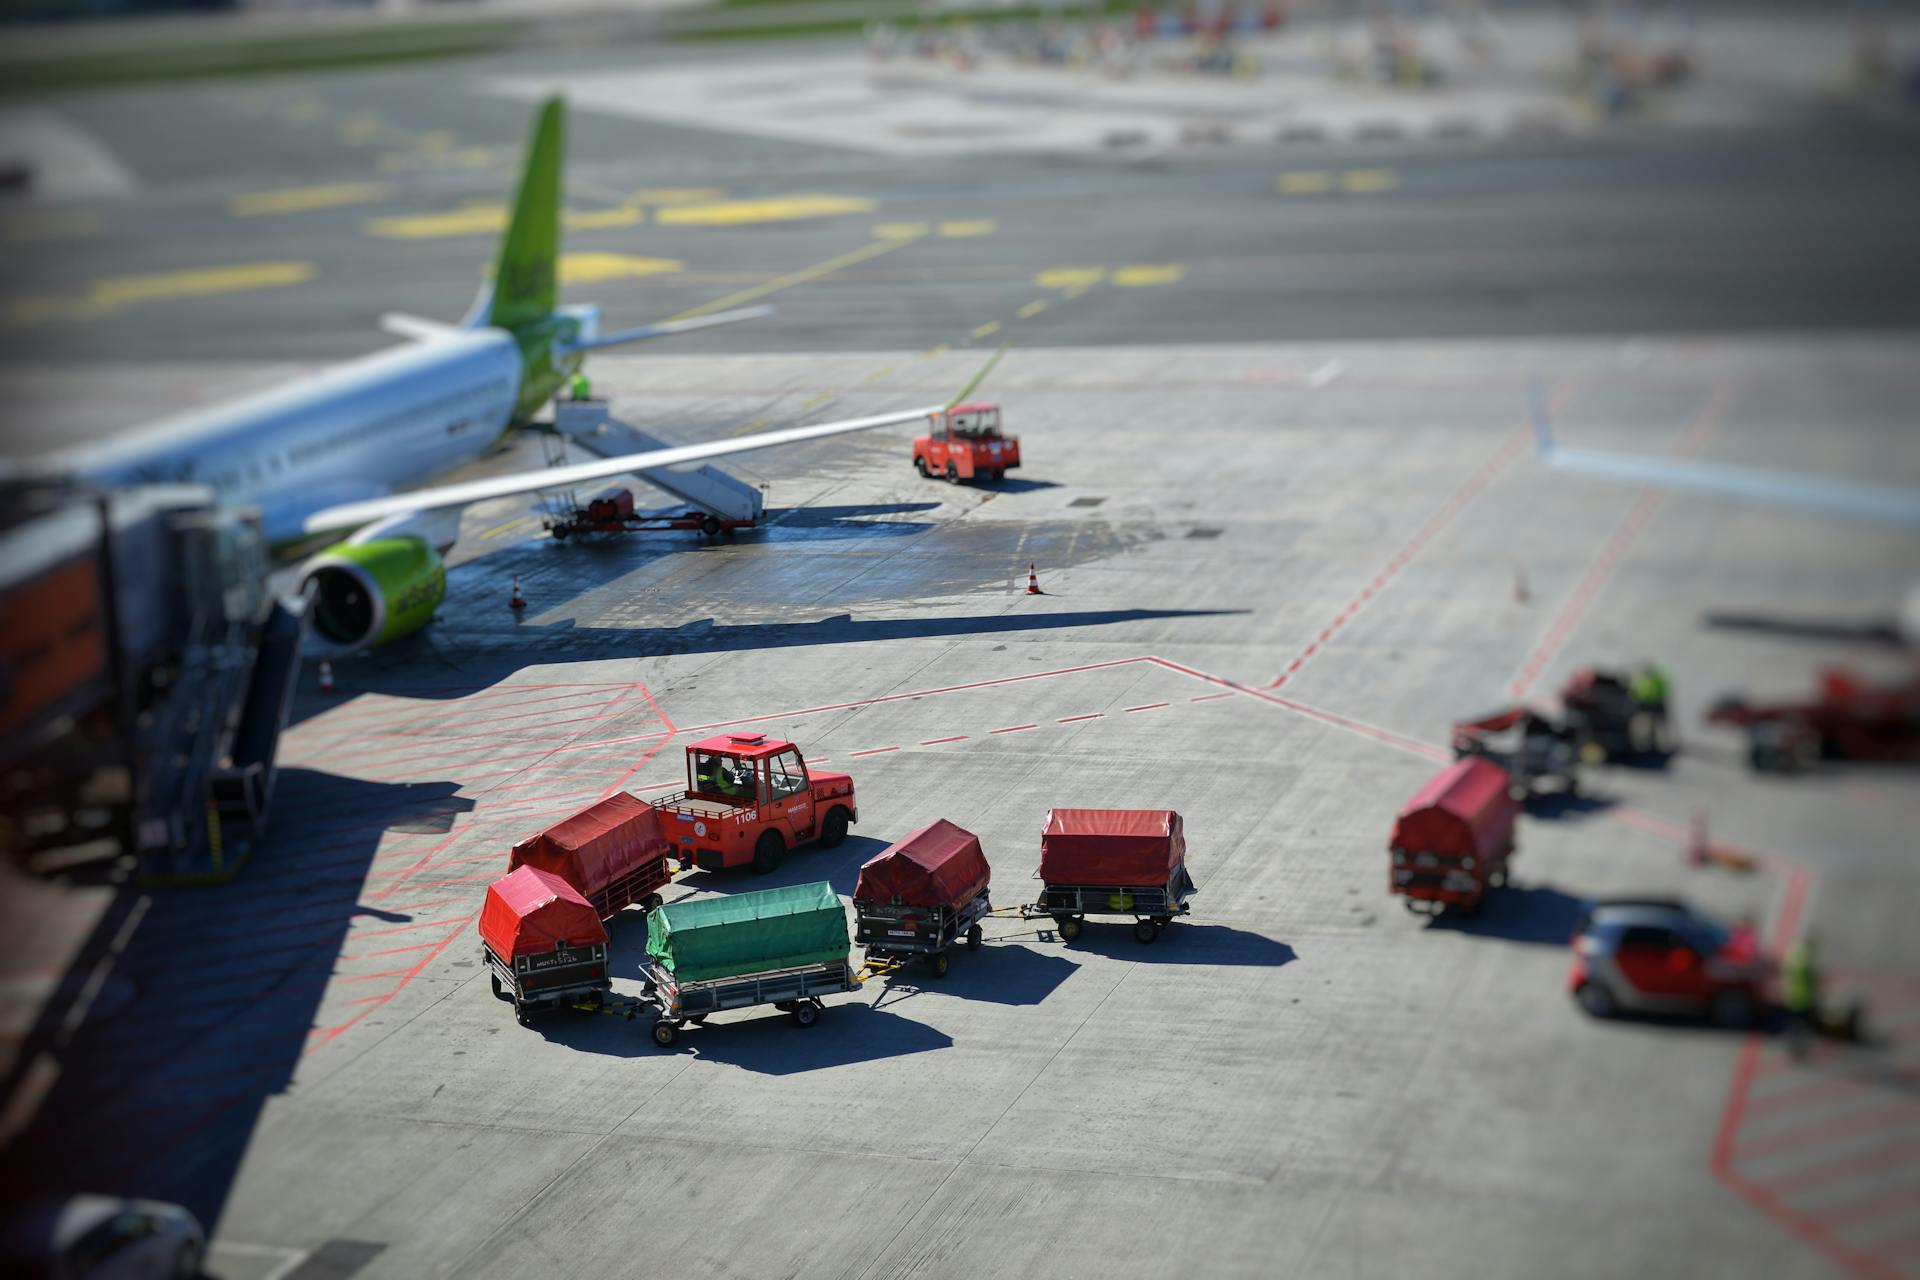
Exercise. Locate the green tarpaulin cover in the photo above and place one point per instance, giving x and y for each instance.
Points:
(701, 939)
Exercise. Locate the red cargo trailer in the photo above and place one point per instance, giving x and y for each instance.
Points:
(543, 942)
(1452, 841)
(613, 853)
(920, 895)
(1113, 862)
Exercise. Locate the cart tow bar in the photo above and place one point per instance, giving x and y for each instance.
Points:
(624, 1007)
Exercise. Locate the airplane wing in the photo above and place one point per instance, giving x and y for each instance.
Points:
(662, 329)
(353, 514)
(1842, 499)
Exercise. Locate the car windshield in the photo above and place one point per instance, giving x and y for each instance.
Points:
(722, 776)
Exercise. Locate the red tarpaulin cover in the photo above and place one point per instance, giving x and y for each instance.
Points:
(940, 865)
(1133, 847)
(1465, 808)
(527, 911)
(598, 845)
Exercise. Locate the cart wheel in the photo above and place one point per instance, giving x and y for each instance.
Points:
(938, 963)
(665, 1032)
(768, 852)
(1145, 931)
(521, 1016)
(1070, 927)
(974, 938)
(499, 992)
(920, 465)
(806, 1013)
(653, 902)
(953, 473)
(710, 526)
(1163, 921)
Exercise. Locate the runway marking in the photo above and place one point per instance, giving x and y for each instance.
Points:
(1320, 182)
(871, 751)
(1091, 715)
(488, 218)
(625, 215)
(1032, 309)
(113, 294)
(938, 349)
(499, 529)
(1304, 182)
(983, 330)
(964, 230)
(1148, 276)
(303, 199)
(1070, 277)
(900, 230)
(1705, 421)
(740, 213)
(934, 742)
(676, 195)
(1367, 181)
(1014, 728)
(35, 225)
(805, 275)
(1150, 706)
(594, 268)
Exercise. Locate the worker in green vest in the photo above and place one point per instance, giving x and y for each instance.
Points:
(1649, 687)
(1800, 993)
(582, 389)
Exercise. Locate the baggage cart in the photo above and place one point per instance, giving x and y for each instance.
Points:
(796, 992)
(920, 895)
(896, 933)
(543, 944)
(1152, 909)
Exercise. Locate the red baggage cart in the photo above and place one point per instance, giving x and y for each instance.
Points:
(920, 895)
(613, 853)
(1127, 862)
(543, 942)
(1452, 841)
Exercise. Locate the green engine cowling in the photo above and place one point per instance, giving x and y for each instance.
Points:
(368, 593)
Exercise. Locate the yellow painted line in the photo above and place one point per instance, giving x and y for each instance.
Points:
(815, 402)
(603, 219)
(470, 220)
(1305, 182)
(1073, 291)
(1366, 181)
(677, 195)
(53, 224)
(1032, 309)
(961, 230)
(899, 230)
(878, 374)
(301, 199)
(1144, 276)
(497, 530)
(112, 294)
(940, 349)
(740, 213)
(1068, 277)
(755, 425)
(594, 268)
(991, 326)
(872, 249)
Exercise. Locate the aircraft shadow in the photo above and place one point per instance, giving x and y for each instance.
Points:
(1532, 913)
(1873, 631)
(209, 1009)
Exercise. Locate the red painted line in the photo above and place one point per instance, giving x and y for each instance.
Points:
(1014, 728)
(1905, 1246)
(1209, 697)
(375, 955)
(403, 928)
(446, 717)
(369, 977)
(1807, 1093)
(1850, 1213)
(1615, 548)
(1294, 666)
(422, 906)
(1857, 1164)
(329, 1034)
(934, 742)
(1310, 650)
(1091, 715)
(1149, 706)
(871, 751)
(1830, 1129)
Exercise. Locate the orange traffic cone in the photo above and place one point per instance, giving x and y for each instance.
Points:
(1033, 580)
(326, 676)
(1520, 593)
(518, 601)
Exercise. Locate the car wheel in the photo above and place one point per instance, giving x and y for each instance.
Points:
(1733, 1010)
(953, 473)
(768, 853)
(920, 465)
(834, 829)
(1597, 1000)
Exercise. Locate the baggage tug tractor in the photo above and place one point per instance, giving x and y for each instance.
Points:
(749, 799)
(964, 443)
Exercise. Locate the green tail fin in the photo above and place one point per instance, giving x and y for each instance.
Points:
(524, 290)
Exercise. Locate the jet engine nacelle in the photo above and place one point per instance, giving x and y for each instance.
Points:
(371, 592)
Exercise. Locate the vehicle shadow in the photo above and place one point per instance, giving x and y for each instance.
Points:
(1016, 484)
(999, 973)
(1534, 913)
(762, 1040)
(1183, 942)
(1558, 806)
(839, 867)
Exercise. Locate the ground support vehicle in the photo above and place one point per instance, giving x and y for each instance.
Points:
(920, 895)
(965, 443)
(1655, 955)
(1609, 721)
(1538, 755)
(1112, 862)
(784, 947)
(749, 799)
(1451, 842)
(543, 943)
(614, 513)
(612, 853)
(1847, 719)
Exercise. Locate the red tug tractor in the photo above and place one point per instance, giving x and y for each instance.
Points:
(965, 443)
(749, 799)
(1847, 719)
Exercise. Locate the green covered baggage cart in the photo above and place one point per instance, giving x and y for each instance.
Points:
(784, 947)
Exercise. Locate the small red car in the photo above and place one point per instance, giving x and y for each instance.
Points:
(1652, 955)
(965, 443)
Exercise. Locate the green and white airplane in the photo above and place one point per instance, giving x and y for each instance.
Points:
(345, 452)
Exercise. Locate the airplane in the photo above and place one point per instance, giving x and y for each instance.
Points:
(1890, 505)
(344, 452)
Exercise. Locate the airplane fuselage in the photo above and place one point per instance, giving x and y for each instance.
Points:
(373, 426)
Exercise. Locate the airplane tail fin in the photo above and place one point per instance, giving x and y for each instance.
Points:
(524, 288)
